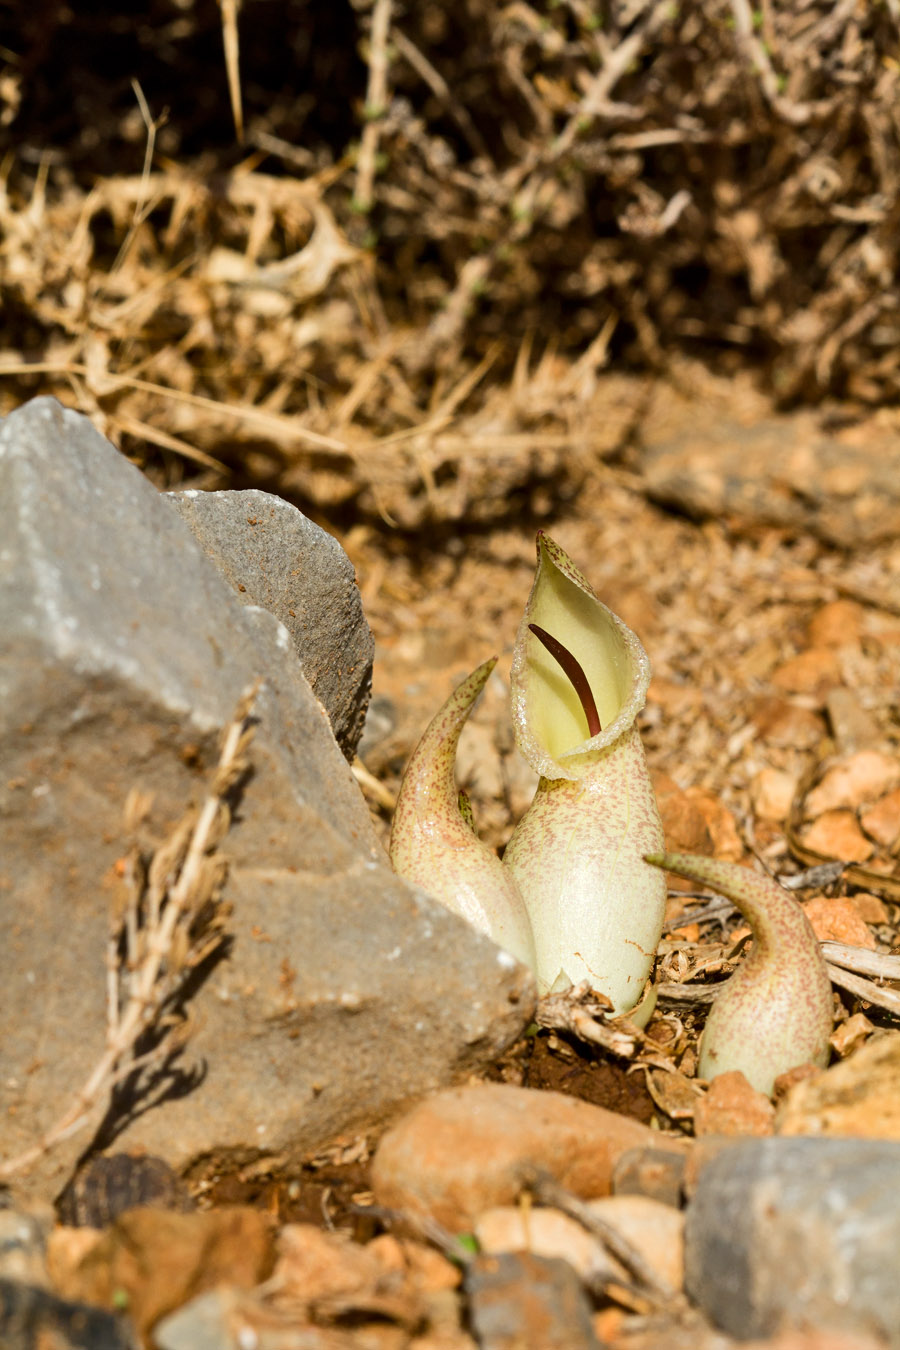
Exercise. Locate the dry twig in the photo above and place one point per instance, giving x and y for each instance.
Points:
(231, 46)
(547, 1191)
(376, 104)
(583, 1012)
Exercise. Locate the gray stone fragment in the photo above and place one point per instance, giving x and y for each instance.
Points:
(786, 1233)
(23, 1247)
(230, 1319)
(518, 1301)
(122, 655)
(657, 1173)
(273, 556)
(780, 471)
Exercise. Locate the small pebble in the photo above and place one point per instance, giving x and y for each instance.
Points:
(870, 908)
(814, 671)
(654, 1172)
(860, 778)
(836, 919)
(772, 793)
(733, 1107)
(683, 822)
(836, 834)
(518, 1301)
(782, 723)
(882, 821)
(726, 842)
(835, 623)
(545, 1232)
(653, 1229)
(314, 1264)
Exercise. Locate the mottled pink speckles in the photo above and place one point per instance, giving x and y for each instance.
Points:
(776, 1011)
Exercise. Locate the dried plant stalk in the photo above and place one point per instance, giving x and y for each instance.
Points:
(172, 920)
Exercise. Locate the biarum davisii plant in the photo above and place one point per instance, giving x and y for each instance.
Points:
(577, 854)
(776, 1012)
(573, 880)
(433, 841)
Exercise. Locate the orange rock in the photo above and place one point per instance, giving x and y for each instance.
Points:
(837, 920)
(859, 778)
(726, 842)
(782, 723)
(158, 1260)
(882, 821)
(314, 1264)
(732, 1106)
(811, 672)
(836, 624)
(428, 1270)
(848, 1036)
(772, 793)
(836, 834)
(684, 823)
(66, 1249)
(870, 908)
(464, 1150)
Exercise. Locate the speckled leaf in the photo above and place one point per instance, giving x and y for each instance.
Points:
(433, 843)
(776, 1011)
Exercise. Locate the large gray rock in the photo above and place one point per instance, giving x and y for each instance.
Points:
(272, 556)
(797, 1232)
(122, 654)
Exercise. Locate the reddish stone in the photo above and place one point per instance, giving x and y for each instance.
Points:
(467, 1149)
(733, 1107)
(836, 834)
(837, 920)
(811, 672)
(836, 624)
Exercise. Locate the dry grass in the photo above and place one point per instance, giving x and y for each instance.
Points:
(416, 322)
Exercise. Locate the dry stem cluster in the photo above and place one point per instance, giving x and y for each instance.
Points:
(171, 921)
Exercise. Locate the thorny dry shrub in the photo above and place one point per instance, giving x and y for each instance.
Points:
(445, 221)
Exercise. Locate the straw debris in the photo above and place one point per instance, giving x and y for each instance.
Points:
(403, 289)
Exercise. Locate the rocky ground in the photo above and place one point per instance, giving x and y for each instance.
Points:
(440, 276)
(771, 733)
